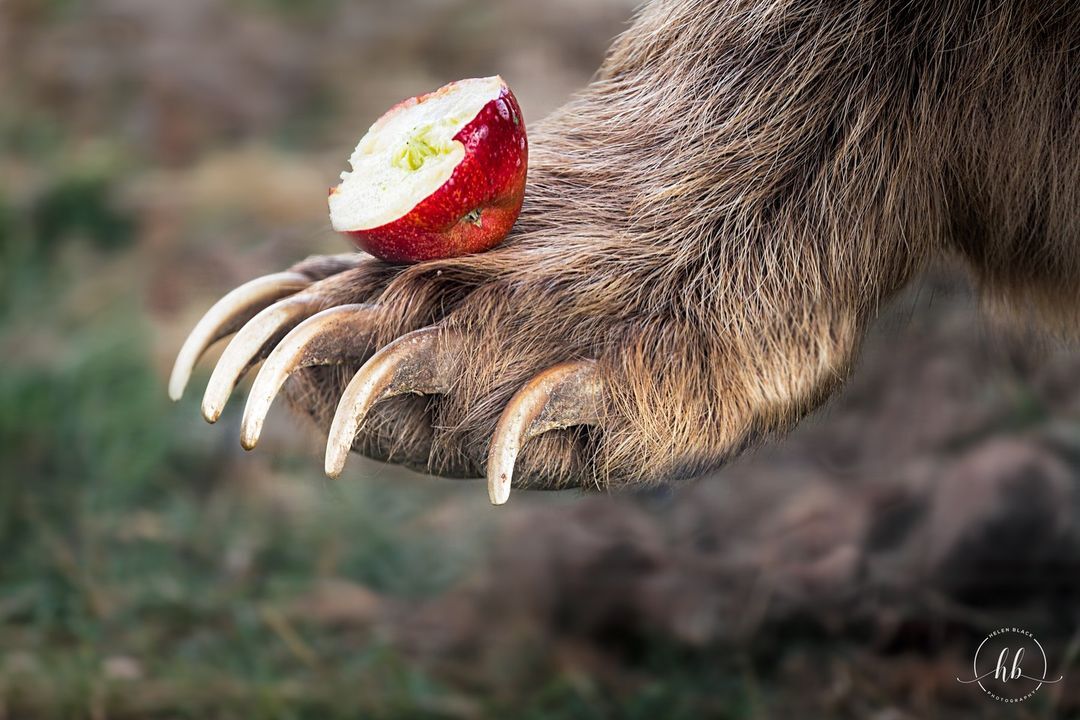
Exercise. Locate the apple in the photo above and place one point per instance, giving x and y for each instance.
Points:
(438, 175)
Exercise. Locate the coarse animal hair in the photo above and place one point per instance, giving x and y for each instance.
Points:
(720, 214)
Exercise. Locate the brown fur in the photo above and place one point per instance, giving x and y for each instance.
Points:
(721, 213)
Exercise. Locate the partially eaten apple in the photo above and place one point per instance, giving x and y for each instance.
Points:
(438, 175)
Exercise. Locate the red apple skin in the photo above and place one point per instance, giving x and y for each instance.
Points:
(489, 179)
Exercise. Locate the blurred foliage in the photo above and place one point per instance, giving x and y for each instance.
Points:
(80, 206)
(117, 519)
(311, 10)
(32, 136)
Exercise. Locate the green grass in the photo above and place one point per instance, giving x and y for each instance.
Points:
(127, 540)
(118, 531)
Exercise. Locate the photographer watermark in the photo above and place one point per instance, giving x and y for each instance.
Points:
(1010, 665)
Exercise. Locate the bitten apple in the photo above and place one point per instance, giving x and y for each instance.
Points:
(438, 175)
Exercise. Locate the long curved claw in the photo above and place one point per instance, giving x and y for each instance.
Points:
(562, 396)
(331, 337)
(250, 345)
(414, 363)
(226, 316)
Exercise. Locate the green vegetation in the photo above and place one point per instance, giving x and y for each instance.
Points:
(138, 576)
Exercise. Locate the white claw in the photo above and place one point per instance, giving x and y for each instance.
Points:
(562, 396)
(414, 363)
(251, 345)
(331, 337)
(226, 316)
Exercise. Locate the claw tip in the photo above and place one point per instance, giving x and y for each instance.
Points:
(251, 426)
(334, 463)
(210, 413)
(177, 382)
(499, 490)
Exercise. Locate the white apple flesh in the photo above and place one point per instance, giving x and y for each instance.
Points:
(438, 175)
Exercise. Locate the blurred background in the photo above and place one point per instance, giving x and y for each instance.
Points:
(156, 154)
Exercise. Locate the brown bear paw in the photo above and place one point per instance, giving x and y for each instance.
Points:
(498, 365)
